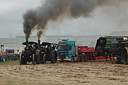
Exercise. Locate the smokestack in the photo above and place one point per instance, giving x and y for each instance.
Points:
(26, 43)
(38, 42)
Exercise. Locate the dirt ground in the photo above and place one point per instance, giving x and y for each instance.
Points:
(82, 73)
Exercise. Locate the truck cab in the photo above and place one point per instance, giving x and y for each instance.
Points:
(65, 50)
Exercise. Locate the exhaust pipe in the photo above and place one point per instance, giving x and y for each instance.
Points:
(38, 43)
(26, 43)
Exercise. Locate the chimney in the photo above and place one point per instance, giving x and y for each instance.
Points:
(38, 43)
(26, 43)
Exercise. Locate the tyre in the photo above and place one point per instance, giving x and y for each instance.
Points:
(75, 58)
(55, 54)
(37, 57)
(124, 60)
(53, 57)
(78, 58)
(23, 61)
(85, 58)
(43, 58)
(124, 57)
(33, 59)
(72, 59)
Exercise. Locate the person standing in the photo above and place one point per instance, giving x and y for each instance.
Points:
(3, 58)
(0, 58)
(106, 56)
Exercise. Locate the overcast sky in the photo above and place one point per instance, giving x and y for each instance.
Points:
(102, 21)
(11, 12)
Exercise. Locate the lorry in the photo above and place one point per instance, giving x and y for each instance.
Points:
(85, 53)
(110, 45)
(68, 51)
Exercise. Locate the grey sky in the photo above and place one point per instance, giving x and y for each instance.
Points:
(102, 21)
(11, 12)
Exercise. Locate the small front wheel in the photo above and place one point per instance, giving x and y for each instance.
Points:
(72, 59)
(23, 60)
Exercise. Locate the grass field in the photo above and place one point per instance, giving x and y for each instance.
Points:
(10, 63)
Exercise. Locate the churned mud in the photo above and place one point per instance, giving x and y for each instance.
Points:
(82, 73)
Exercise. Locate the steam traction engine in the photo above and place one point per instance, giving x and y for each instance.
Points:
(114, 46)
(46, 52)
(28, 54)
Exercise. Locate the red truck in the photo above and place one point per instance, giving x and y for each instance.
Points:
(85, 53)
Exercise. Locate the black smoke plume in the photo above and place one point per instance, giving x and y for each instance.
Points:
(38, 18)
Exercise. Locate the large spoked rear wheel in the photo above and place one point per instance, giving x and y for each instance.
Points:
(124, 59)
(37, 57)
(53, 57)
(21, 63)
(33, 59)
(44, 59)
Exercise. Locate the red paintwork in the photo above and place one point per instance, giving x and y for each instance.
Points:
(62, 57)
(85, 49)
(101, 58)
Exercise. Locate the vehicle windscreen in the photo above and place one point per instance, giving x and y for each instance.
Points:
(63, 47)
(100, 43)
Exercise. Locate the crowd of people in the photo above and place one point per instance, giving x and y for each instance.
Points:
(9, 57)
